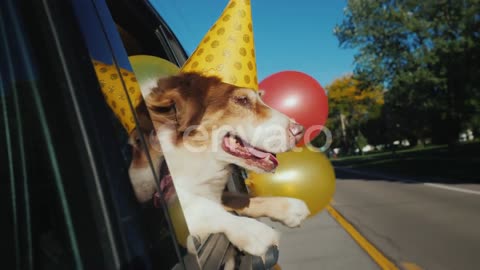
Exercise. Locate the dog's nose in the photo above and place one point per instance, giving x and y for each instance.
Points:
(296, 130)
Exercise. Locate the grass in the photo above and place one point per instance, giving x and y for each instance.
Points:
(431, 163)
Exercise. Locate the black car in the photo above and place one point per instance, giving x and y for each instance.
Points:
(66, 198)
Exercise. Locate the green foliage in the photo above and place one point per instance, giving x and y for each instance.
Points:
(361, 140)
(426, 53)
(351, 104)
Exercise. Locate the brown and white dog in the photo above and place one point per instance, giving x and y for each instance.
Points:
(204, 126)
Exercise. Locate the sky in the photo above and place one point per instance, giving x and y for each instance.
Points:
(289, 34)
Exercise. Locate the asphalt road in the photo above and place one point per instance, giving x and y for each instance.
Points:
(433, 226)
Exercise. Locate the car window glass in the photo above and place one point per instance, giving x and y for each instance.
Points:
(8, 186)
(45, 229)
(39, 227)
(121, 92)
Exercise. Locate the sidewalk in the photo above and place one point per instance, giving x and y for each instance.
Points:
(321, 243)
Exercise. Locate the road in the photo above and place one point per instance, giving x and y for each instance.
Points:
(432, 226)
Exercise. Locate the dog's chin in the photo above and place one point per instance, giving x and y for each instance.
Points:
(241, 153)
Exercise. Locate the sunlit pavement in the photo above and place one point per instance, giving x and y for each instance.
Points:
(321, 243)
(413, 225)
(424, 224)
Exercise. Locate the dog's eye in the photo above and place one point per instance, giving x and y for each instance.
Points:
(242, 100)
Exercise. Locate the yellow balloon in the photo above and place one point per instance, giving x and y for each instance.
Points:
(147, 67)
(178, 221)
(304, 175)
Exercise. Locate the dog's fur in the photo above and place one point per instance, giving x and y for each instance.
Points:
(140, 171)
(195, 119)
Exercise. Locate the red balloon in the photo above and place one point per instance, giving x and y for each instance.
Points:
(299, 96)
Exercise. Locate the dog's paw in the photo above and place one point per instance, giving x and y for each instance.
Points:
(252, 236)
(295, 212)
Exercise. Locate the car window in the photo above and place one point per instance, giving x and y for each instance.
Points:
(143, 31)
(122, 94)
(39, 232)
(68, 200)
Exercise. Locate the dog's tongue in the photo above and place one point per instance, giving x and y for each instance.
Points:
(257, 153)
(261, 155)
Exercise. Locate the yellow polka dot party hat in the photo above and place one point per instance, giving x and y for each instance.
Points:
(227, 50)
(112, 89)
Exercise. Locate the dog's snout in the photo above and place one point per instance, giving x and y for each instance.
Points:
(296, 129)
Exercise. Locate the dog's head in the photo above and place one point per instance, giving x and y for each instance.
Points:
(233, 123)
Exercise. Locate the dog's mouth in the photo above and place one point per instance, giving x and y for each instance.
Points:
(167, 188)
(236, 146)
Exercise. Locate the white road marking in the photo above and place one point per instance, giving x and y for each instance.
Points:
(395, 178)
(464, 190)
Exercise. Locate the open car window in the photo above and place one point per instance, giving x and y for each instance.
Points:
(143, 32)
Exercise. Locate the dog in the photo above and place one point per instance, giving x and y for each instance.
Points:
(145, 148)
(205, 126)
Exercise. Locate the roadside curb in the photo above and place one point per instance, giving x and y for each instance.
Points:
(377, 174)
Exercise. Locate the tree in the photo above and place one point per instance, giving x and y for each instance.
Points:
(351, 104)
(426, 53)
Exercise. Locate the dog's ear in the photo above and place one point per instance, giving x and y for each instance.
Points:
(162, 103)
(179, 100)
(145, 124)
